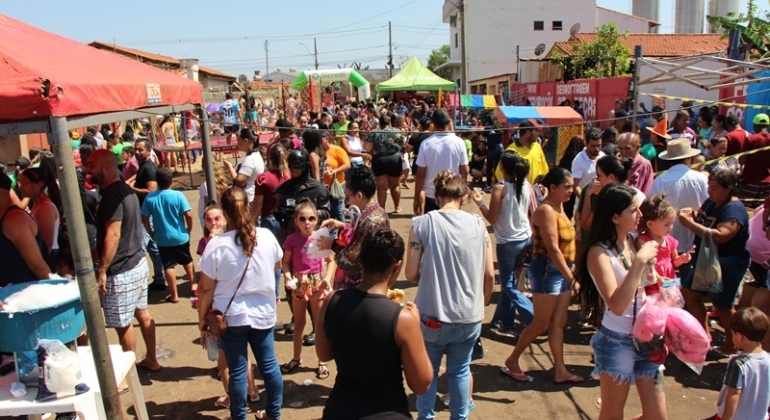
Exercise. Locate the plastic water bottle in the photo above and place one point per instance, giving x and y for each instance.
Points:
(212, 347)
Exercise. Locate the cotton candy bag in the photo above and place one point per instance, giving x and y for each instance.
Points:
(685, 337)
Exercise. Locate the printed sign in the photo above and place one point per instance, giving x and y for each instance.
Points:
(153, 94)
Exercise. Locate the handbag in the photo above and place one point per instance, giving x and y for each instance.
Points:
(707, 276)
(336, 190)
(216, 319)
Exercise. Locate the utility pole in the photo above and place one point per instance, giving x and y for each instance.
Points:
(463, 51)
(517, 65)
(390, 49)
(315, 50)
(267, 63)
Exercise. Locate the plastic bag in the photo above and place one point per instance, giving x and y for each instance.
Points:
(336, 190)
(651, 319)
(60, 374)
(672, 296)
(313, 251)
(685, 337)
(708, 272)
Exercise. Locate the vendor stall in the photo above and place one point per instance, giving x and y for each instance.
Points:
(561, 124)
(49, 84)
(415, 76)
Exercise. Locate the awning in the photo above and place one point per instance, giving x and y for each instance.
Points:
(551, 115)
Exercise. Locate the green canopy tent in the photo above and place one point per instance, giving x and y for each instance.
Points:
(415, 76)
(336, 75)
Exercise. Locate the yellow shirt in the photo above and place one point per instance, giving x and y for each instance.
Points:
(536, 157)
(336, 157)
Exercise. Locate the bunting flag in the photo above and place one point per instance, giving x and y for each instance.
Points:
(704, 101)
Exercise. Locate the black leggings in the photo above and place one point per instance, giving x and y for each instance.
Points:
(492, 160)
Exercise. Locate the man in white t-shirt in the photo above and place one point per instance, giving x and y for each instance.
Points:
(439, 152)
(584, 164)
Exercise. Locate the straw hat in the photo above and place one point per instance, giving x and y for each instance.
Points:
(678, 149)
(660, 128)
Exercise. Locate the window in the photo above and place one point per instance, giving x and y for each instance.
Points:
(457, 40)
(556, 25)
(539, 25)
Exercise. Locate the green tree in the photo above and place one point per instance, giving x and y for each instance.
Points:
(438, 57)
(604, 57)
(755, 30)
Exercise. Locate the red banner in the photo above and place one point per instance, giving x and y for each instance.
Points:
(736, 94)
(596, 96)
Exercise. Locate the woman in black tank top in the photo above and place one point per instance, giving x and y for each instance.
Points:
(371, 338)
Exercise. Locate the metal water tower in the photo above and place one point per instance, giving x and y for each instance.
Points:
(690, 15)
(723, 8)
(648, 9)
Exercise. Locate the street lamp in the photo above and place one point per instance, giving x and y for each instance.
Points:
(315, 56)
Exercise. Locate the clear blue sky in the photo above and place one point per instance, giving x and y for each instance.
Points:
(230, 36)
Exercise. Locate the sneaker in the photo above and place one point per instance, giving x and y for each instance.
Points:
(67, 416)
(505, 332)
(289, 330)
(488, 190)
(309, 340)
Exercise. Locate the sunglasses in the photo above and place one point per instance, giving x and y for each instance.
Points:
(310, 219)
(213, 219)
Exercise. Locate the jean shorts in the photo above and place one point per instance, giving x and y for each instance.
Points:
(733, 270)
(616, 355)
(545, 278)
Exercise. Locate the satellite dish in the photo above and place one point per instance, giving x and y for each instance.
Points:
(539, 49)
(574, 30)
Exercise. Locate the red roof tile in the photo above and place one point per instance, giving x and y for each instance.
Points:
(215, 73)
(655, 45)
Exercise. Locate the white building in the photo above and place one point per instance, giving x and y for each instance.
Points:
(495, 28)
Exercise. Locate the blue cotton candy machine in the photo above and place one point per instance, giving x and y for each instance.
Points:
(21, 330)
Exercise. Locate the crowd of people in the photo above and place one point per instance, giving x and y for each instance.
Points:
(585, 229)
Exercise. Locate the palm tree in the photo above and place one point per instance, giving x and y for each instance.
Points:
(755, 30)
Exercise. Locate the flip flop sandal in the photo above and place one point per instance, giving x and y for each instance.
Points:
(220, 402)
(262, 415)
(169, 300)
(574, 379)
(288, 367)
(518, 377)
(322, 372)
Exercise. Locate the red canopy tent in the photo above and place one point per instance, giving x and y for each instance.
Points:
(51, 84)
(43, 74)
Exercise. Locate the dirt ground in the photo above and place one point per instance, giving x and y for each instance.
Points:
(187, 388)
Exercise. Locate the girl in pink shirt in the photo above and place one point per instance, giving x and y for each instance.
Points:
(658, 216)
(304, 276)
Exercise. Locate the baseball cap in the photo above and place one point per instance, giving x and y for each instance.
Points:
(761, 119)
(732, 120)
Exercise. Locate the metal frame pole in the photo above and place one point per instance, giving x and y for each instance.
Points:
(637, 78)
(84, 267)
(206, 149)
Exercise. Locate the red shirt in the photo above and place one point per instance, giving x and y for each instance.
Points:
(266, 184)
(756, 170)
(735, 140)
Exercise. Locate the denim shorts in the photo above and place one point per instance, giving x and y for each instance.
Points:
(733, 270)
(616, 355)
(545, 278)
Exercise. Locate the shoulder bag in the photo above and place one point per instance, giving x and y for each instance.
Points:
(217, 320)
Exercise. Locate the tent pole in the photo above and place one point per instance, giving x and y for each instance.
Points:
(206, 149)
(186, 141)
(84, 267)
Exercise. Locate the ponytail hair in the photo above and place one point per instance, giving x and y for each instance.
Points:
(235, 205)
(277, 158)
(516, 170)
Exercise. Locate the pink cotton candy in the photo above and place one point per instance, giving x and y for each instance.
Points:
(651, 320)
(685, 337)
